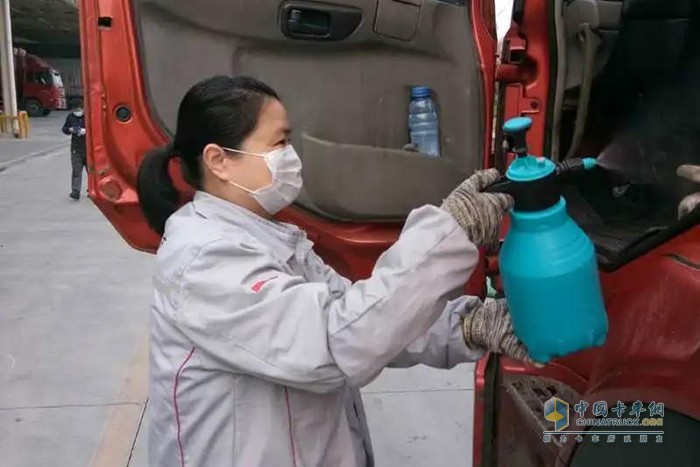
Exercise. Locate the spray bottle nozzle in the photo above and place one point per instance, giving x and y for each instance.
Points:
(575, 165)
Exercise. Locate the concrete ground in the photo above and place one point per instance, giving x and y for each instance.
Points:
(73, 349)
(44, 136)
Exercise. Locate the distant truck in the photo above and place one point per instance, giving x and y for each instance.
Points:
(39, 86)
(71, 74)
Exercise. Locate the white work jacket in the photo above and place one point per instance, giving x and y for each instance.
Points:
(258, 348)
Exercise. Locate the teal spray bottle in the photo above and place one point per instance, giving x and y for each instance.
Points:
(547, 263)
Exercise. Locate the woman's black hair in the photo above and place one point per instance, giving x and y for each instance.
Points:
(222, 110)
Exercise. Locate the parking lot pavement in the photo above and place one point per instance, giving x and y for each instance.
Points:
(73, 310)
(45, 137)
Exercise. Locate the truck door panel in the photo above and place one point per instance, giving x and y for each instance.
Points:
(347, 95)
(344, 71)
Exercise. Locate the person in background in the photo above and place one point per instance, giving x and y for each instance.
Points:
(75, 126)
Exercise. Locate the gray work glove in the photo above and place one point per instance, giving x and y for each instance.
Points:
(690, 202)
(479, 214)
(490, 328)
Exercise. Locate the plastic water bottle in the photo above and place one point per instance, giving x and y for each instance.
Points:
(423, 124)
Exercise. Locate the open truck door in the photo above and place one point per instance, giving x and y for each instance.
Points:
(343, 70)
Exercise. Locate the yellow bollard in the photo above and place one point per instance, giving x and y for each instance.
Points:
(23, 119)
(17, 126)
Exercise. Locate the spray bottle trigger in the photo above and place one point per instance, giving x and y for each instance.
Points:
(502, 185)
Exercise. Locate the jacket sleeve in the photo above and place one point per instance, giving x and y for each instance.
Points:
(443, 346)
(67, 125)
(248, 315)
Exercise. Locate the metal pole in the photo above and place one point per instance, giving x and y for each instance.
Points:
(7, 62)
(4, 67)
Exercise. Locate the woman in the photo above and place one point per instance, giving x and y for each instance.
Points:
(257, 347)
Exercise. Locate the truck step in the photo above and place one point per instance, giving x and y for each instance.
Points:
(529, 393)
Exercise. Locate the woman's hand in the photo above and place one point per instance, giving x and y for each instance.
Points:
(479, 214)
(690, 202)
(490, 328)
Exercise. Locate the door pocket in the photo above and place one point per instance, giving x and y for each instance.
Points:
(365, 183)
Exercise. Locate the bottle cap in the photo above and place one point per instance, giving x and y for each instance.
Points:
(420, 91)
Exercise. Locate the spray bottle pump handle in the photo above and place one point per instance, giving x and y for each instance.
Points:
(502, 185)
(515, 138)
(515, 131)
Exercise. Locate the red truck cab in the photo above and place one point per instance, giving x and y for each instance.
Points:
(594, 76)
(39, 86)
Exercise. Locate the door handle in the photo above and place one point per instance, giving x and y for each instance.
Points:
(307, 20)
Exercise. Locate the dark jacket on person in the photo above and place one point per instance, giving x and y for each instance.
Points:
(77, 143)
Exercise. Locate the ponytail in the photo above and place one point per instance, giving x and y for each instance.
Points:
(157, 195)
(222, 110)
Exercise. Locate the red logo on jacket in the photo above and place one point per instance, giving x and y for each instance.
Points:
(259, 285)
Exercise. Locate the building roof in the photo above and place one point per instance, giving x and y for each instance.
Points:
(45, 21)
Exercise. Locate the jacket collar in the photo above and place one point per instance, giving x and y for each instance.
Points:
(285, 240)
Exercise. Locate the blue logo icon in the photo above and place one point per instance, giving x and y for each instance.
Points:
(557, 411)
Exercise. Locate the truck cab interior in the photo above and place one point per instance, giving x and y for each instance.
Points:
(624, 89)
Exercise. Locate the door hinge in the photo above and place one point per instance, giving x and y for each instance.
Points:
(515, 71)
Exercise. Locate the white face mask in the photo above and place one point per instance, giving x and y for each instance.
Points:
(78, 113)
(285, 167)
